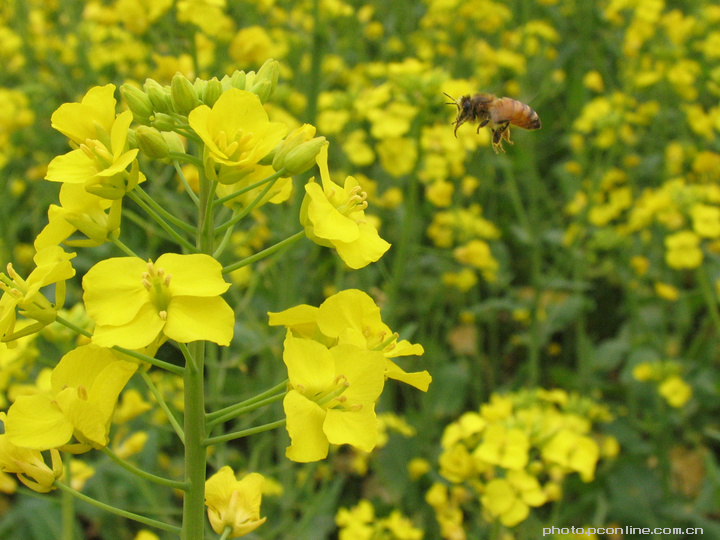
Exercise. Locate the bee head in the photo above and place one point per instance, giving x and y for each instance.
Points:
(465, 110)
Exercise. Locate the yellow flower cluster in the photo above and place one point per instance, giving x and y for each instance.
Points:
(360, 521)
(516, 451)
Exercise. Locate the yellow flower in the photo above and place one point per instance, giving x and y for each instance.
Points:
(133, 302)
(574, 452)
(666, 291)
(234, 504)
(86, 384)
(510, 498)
(29, 465)
(706, 220)
(352, 317)
(334, 216)
(81, 211)
(52, 267)
(440, 193)
(683, 251)
(675, 391)
(101, 161)
(643, 372)
(237, 134)
(507, 448)
(331, 398)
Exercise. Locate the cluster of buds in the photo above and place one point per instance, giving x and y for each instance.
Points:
(162, 112)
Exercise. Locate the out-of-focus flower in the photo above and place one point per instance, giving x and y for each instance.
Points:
(683, 250)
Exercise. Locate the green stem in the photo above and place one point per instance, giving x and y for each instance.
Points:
(237, 411)
(122, 513)
(125, 249)
(193, 514)
(163, 405)
(195, 452)
(264, 253)
(67, 505)
(143, 474)
(244, 433)
(179, 223)
(184, 181)
(163, 224)
(272, 391)
(244, 190)
(249, 208)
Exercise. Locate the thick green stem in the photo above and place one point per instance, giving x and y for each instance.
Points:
(195, 452)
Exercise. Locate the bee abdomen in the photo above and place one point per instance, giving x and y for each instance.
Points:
(524, 117)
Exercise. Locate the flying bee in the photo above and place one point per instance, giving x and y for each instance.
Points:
(500, 113)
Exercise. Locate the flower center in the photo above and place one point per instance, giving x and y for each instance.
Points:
(234, 148)
(331, 396)
(157, 284)
(356, 201)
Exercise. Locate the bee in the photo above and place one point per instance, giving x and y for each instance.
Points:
(500, 113)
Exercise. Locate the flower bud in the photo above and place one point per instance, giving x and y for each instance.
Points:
(200, 85)
(138, 102)
(159, 96)
(174, 142)
(294, 139)
(300, 159)
(213, 90)
(236, 80)
(151, 142)
(265, 81)
(183, 95)
(163, 122)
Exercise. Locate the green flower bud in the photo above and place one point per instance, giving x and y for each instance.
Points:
(163, 122)
(151, 142)
(174, 142)
(183, 95)
(302, 158)
(213, 90)
(159, 96)
(200, 85)
(294, 139)
(236, 80)
(265, 81)
(138, 102)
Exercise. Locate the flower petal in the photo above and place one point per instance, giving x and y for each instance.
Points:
(38, 423)
(192, 318)
(305, 426)
(357, 428)
(193, 275)
(114, 292)
(309, 364)
(134, 334)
